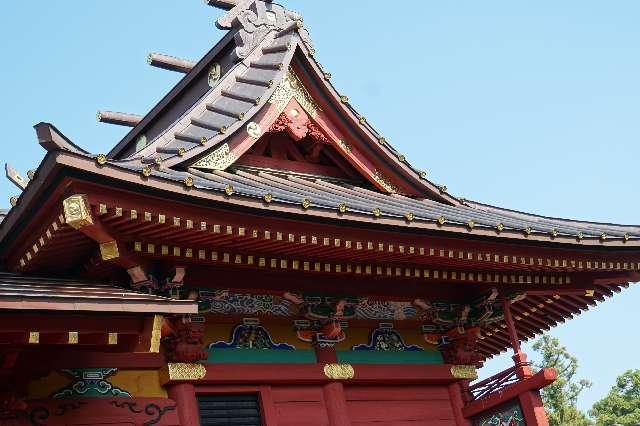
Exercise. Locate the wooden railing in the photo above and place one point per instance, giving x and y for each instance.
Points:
(493, 384)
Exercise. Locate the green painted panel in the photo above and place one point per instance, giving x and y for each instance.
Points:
(260, 356)
(389, 357)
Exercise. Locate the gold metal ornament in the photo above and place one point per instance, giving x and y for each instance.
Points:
(101, 159)
(146, 171)
(422, 174)
(254, 130)
(471, 224)
(229, 190)
(182, 372)
(203, 141)
(13, 201)
(339, 371)
(77, 211)
(442, 220)
(109, 250)
(344, 99)
(579, 236)
(291, 87)
(384, 181)
(603, 237)
(464, 372)
(402, 158)
(156, 334)
(342, 207)
(528, 231)
(362, 120)
(500, 227)
(181, 151)
(268, 197)
(346, 146)
(306, 203)
(327, 76)
(442, 188)
(157, 161)
(188, 181)
(554, 233)
(382, 140)
(377, 212)
(218, 159)
(409, 216)
(626, 237)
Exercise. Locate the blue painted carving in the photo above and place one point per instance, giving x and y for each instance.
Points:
(510, 415)
(251, 336)
(90, 383)
(386, 339)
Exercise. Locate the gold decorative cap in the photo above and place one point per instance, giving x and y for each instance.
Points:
(13, 201)
(146, 171)
(500, 227)
(101, 159)
(408, 216)
(603, 236)
(554, 233)
(188, 181)
(342, 207)
(268, 197)
(229, 190)
(471, 224)
(377, 212)
(181, 151)
(382, 140)
(344, 99)
(626, 237)
(306, 203)
(579, 236)
(528, 230)
(442, 220)
(203, 141)
(327, 76)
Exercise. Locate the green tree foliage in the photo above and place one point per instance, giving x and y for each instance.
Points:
(622, 403)
(560, 398)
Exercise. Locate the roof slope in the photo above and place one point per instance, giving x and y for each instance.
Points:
(22, 292)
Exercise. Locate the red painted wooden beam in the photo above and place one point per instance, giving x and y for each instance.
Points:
(276, 374)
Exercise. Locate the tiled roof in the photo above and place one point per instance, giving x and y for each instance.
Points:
(22, 292)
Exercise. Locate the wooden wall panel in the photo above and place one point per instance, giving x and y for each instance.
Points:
(300, 405)
(399, 405)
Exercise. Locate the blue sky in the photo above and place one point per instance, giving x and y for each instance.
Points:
(529, 105)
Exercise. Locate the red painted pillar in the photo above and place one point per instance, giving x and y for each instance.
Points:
(336, 404)
(184, 394)
(326, 355)
(457, 403)
(533, 408)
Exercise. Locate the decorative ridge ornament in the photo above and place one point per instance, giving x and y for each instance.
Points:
(292, 87)
(254, 19)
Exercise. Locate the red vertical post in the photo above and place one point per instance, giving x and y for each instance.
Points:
(457, 403)
(326, 355)
(336, 404)
(519, 357)
(533, 408)
(184, 394)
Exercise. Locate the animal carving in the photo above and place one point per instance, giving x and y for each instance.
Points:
(183, 341)
(460, 347)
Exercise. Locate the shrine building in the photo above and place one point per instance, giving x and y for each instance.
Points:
(254, 252)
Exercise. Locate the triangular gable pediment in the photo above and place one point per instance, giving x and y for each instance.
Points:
(274, 66)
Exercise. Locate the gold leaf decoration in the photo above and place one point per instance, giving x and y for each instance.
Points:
(292, 87)
(384, 181)
(464, 372)
(339, 371)
(219, 159)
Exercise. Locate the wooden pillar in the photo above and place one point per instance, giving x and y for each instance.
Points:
(519, 358)
(533, 408)
(184, 394)
(457, 403)
(326, 355)
(336, 404)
